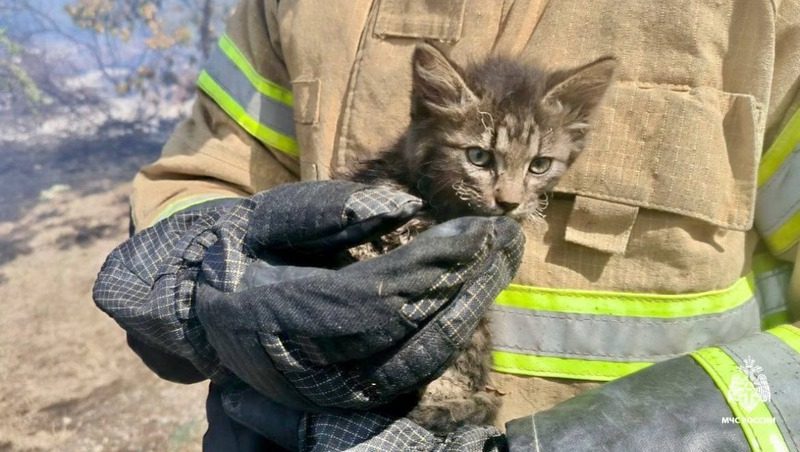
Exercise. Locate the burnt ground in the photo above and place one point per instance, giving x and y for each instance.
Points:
(69, 383)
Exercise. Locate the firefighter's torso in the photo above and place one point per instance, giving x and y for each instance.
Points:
(644, 253)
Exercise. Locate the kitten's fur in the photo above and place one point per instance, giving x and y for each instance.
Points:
(521, 116)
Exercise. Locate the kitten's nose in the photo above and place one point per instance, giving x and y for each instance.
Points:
(507, 206)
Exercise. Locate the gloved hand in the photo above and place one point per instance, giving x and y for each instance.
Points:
(241, 291)
(740, 396)
(736, 397)
(352, 431)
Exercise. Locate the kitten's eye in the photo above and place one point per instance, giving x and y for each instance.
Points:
(540, 165)
(479, 157)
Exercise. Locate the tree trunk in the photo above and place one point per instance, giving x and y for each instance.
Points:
(205, 28)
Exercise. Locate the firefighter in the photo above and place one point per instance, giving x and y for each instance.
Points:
(664, 265)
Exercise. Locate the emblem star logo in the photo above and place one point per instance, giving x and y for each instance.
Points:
(750, 387)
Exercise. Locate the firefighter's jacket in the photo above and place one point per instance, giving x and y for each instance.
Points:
(675, 230)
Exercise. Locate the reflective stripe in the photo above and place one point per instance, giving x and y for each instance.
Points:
(601, 338)
(772, 285)
(724, 371)
(779, 151)
(778, 205)
(261, 107)
(264, 86)
(781, 194)
(548, 366)
(775, 319)
(672, 405)
(627, 304)
(780, 366)
(615, 337)
(778, 202)
(785, 237)
(183, 204)
(789, 335)
(262, 99)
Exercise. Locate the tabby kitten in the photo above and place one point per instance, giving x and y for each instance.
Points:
(491, 139)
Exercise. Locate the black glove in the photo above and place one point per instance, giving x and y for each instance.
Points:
(240, 289)
(740, 396)
(351, 431)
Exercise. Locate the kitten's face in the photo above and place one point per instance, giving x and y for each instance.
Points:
(494, 139)
(494, 166)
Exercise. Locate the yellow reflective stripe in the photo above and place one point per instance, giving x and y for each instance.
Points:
(550, 366)
(789, 334)
(786, 236)
(267, 135)
(780, 150)
(775, 319)
(183, 204)
(261, 84)
(766, 262)
(721, 368)
(627, 304)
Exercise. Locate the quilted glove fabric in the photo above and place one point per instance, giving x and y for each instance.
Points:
(246, 291)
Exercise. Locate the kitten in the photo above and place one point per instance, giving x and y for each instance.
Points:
(491, 139)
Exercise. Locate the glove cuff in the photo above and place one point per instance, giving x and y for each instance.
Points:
(372, 432)
(147, 285)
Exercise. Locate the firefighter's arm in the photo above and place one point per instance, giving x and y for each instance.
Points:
(778, 202)
(777, 214)
(735, 397)
(239, 139)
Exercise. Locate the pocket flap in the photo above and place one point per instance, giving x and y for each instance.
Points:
(601, 225)
(687, 151)
(427, 19)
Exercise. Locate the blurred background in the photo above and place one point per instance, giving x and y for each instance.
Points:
(89, 91)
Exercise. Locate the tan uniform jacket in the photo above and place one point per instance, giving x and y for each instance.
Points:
(663, 199)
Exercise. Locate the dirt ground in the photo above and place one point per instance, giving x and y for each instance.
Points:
(67, 380)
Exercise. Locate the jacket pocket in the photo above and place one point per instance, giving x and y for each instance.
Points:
(689, 151)
(427, 19)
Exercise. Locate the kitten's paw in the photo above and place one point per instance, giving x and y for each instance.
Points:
(445, 416)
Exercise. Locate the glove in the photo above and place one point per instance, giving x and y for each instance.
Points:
(368, 432)
(244, 291)
(352, 431)
(737, 397)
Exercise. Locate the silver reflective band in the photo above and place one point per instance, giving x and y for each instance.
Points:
(779, 197)
(772, 287)
(780, 367)
(273, 114)
(616, 338)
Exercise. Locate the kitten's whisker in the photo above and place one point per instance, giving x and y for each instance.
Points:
(535, 217)
(537, 214)
(543, 201)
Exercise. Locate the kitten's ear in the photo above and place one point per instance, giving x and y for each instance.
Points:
(580, 90)
(437, 86)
